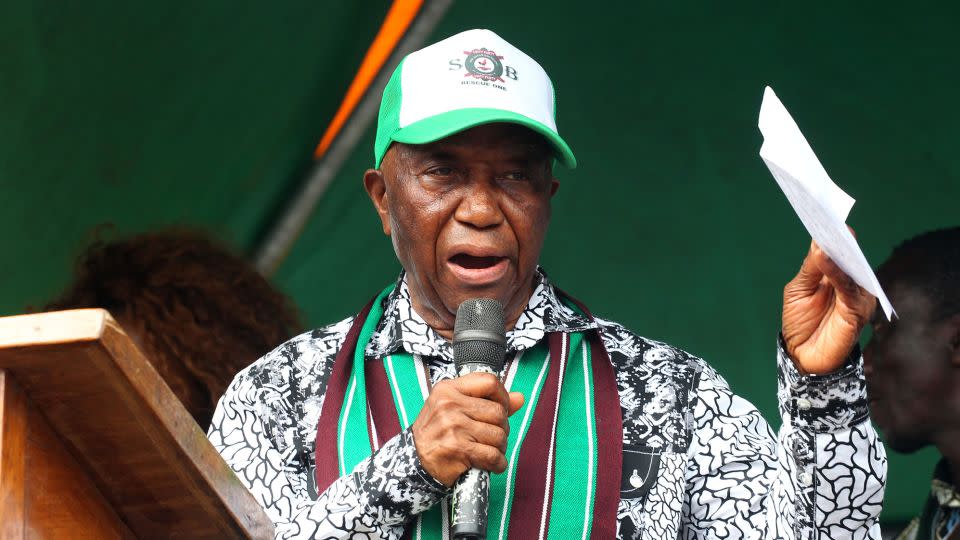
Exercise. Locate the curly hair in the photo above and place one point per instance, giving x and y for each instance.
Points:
(199, 312)
(931, 262)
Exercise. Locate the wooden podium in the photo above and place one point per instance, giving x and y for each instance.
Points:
(93, 444)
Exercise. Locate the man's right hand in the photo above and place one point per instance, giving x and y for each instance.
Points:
(463, 425)
(824, 311)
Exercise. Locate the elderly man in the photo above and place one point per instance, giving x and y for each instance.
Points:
(913, 369)
(359, 429)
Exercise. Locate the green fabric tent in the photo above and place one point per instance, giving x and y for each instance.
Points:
(207, 114)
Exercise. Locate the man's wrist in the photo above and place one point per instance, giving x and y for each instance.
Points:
(428, 479)
(822, 403)
(394, 478)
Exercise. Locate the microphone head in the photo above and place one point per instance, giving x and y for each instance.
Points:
(478, 334)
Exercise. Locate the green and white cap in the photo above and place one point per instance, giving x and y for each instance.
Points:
(467, 80)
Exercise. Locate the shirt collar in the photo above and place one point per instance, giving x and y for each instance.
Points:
(402, 327)
(942, 487)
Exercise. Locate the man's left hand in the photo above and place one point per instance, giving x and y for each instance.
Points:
(824, 311)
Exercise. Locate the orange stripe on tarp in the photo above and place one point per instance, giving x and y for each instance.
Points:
(395, 25)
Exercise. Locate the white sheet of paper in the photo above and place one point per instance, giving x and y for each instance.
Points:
(821, 205)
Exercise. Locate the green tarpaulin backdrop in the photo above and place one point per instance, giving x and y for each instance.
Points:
(207, 114)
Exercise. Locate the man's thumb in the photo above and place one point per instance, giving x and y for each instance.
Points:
(516, 401)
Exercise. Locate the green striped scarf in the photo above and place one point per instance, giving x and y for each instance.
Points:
(557, 470)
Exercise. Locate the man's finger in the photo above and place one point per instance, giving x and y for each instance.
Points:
(483, 385)
(825, 264)
(486, 457)
(485, 410)
(844, 285)
(808, 278)
(849, 293)
(488, 434)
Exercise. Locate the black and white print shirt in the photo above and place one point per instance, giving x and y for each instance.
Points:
(699, 461)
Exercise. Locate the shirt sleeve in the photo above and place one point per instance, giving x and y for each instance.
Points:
(374, 501)
(821, 477)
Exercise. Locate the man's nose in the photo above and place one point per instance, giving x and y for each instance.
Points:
(480, 206)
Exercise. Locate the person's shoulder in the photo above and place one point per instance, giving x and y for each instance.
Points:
(308, 352)
(637, 359)
(622, 341)
(658, 355)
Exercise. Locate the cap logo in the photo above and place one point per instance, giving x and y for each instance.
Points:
(483, 64)
(484, 67)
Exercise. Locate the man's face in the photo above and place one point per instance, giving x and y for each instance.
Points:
(467, 216)
(910, 372)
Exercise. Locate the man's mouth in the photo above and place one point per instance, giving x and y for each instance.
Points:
(478, 269)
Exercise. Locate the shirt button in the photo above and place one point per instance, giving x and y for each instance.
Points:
(806, 479)
(803, 404)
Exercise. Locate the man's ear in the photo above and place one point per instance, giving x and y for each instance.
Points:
(554, 186)
(376, 186)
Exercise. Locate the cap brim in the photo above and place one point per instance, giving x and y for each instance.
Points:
(445, 124)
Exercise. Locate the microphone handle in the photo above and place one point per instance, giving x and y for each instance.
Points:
(471, 493)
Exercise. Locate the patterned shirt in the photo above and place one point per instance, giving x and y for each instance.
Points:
(698, 460)
(940, 518)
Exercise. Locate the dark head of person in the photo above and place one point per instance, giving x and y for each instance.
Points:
(913, 362)
(198, 312)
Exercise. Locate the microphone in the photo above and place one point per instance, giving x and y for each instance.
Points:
(479, 344)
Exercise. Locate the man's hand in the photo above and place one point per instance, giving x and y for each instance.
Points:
(463, 425)
(824, 311)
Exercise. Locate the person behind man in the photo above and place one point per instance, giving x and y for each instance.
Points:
(359, 429)
(912, 366)
(197, 311)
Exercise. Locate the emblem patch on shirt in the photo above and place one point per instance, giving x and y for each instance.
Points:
(640, 468)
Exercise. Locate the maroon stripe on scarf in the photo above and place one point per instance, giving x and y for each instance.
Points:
(609, 415)
(529, 487)
(328, 470)
(380, 398)
(606, 404)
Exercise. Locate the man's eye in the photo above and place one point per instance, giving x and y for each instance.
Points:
(516, 176)
(441, 171)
